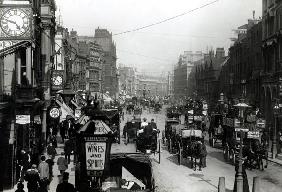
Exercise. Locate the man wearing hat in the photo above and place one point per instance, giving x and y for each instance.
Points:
(32, 178)
(65, 186)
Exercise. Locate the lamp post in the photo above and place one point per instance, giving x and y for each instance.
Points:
(221, 102)
(239, 175)
(274, 139)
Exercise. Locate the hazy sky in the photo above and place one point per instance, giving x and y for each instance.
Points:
(157, 48)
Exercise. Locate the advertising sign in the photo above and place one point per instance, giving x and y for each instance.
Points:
(241, 129)
(261, 123)
(95, 156)
(22, 119)
(253, 134)
(280, 86)
(228, 122)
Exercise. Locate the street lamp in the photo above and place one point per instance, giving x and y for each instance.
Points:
(274, 142)
(239, 175)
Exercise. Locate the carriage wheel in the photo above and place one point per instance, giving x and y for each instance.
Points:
(226, 153)
(232, 156)
(159, 152)
(163, 137)
(179, 154)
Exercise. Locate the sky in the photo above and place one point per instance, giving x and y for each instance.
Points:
(157, 48)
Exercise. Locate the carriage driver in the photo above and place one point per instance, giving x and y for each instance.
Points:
(143, 125)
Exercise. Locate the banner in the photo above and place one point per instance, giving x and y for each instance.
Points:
(95, 156)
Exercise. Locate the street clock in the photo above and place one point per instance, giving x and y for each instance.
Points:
(57, 80)
(55, 112)
(16, 22)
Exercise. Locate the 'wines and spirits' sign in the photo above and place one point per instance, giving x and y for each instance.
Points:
(95, 156)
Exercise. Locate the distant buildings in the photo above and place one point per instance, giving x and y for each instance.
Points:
(102, 45)
(127, 81)
(182, 70)
(110, 76)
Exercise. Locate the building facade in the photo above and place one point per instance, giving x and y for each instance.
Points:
(26, 68)
(110, 76)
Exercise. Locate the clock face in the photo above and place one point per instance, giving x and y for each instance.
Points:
(57, 80)
(55, 112)
(15, 22)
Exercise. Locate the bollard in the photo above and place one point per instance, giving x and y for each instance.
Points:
(221, 184)
(256, 184)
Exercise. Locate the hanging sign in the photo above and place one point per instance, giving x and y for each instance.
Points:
(253, 134)
(22, 119)
(280, 86)
(261, 123)
(77, 113)
(37, 119)
(95, 156)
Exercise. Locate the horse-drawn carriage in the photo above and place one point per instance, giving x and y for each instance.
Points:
(157, 107)
(254, 152)
(130, 129)
(190, 144)
(215, 130)
(147, 141)
(137, 111)
(167, 133)
(130, 107)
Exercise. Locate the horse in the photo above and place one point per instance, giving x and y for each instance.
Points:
(197, 153)
(129, 108)
(262, 155)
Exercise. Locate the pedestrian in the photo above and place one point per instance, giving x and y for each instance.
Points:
(204, 155)
(70, 128)
(65, 186)
(68, 149)
(32, 177)
(43, 169)
(62, 164)
(24, 163)
(63, 130)
(20, 187)
(53, 140)
(51, 150)
(50, 162)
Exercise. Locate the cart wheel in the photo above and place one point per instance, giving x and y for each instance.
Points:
(163, 137)
(179, 154)
(226, 153)
(232, 157)
(159, 152)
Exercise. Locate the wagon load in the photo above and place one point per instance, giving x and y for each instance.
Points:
(191, 133)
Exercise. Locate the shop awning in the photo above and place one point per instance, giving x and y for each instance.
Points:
(66, 111)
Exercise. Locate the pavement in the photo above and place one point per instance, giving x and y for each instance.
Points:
(56, 172)
(276, 160)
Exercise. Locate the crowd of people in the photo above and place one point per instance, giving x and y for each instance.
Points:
(39, 174)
